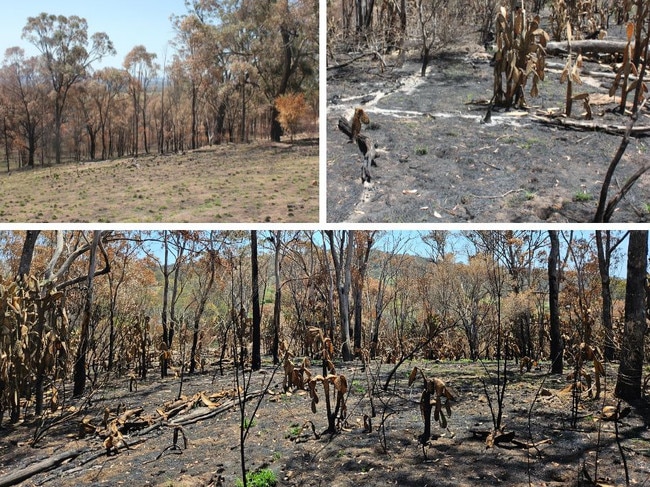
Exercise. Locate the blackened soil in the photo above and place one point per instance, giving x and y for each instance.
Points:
(535, 408)
(439, 163)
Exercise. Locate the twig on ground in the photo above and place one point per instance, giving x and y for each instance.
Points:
(497, 196)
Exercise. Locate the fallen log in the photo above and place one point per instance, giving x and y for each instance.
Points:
(587, 45)
(588, 125)
(588, 72)
(38, 467)
(136, 439)
(199, 415)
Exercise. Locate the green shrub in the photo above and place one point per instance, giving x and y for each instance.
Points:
(260, 478)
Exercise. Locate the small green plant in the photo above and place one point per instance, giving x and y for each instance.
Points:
(260, 478)
(357, 387)
(421, 151)
(529, 195)
(249, 423)
(294, 431)
(582, 196)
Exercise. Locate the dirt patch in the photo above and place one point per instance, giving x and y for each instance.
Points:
(454, 456)
(259, 182)
(439, 163)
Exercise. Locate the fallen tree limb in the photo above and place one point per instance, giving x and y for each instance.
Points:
(136, 439)
(590, 125)
(199, 415)
(589, 72)
(347, 63)
(494, 197)
(38, 467)
(587, 45)
(527, 445)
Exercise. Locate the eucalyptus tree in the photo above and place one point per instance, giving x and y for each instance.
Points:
(630, 371)
(607, 244)
(66, 56)
(255, 298)
(142, 69)
(554, 267)
(393, 262)
(205, 267)
(341, 245)
(517, 253)
(110, 82)
(25, 90)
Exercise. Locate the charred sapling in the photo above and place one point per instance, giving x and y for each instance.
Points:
(570, 75)
(435, 395)
(335, 387)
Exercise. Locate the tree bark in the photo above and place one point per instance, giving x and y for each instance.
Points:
(27, 254)
(628, 382)
(603, 242)
(587, 45)
(205, 289)
(343, 278)
(163, 317)
(82, 349)
(257, 356)
(18, 476)
(362, 265)
(554, 307)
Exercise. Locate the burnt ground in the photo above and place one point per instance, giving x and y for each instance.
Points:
(454, 457)
(438, 163)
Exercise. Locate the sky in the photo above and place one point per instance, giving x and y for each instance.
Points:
(127, 22)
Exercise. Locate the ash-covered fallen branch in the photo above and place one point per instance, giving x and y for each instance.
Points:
(39, 467)
(591, 126)
(134, 439)
(587, 45)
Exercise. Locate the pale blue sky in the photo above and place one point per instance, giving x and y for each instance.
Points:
(127, 23)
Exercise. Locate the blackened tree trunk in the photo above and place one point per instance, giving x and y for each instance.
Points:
(277, 304)
(364, 14)
(204, 292)
(343, 272)
(257, 356)
(628, 382)
(363, 254)
(84, 338)
(27, 254)
(605, 249)
(165, 304)
(554, 307)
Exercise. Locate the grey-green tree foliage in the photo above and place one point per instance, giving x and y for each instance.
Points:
(66, 55)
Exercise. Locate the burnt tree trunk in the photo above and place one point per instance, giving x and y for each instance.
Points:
(257, 355)
(554, 307)
(628, 382)
(84, 338)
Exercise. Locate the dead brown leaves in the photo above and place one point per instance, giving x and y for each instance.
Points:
(520, 55)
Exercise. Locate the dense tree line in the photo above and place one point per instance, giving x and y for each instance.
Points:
(232, 61)
(79, 306)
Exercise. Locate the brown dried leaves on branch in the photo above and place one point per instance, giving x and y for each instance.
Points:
(337, 386)
(442, 396)
(520, 55)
